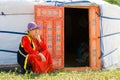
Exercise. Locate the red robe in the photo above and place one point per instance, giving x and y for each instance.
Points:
(33, 59)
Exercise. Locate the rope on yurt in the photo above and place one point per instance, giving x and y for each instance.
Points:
(11, 32)
(107, 17)
(109, 34)
(102, 56)
(4, 14)
(3, 50)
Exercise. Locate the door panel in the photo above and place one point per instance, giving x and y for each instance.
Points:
(94, 33)
(52, 19)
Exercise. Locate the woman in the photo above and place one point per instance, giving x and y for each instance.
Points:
(33, 54)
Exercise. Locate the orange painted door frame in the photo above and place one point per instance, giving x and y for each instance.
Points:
(94, 40)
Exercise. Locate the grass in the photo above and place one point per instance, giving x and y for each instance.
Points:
(64, 75)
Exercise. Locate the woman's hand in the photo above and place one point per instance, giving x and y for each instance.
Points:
(38, 38)
(42, 57)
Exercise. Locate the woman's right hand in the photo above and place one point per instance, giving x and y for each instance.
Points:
(42, 57)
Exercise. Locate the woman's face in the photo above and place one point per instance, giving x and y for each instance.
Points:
(33, 33)
(39, 32)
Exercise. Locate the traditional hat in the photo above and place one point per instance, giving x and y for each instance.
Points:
(33, 25)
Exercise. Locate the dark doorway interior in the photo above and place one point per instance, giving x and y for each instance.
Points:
(76, 37)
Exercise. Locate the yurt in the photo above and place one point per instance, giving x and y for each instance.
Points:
(80, 35)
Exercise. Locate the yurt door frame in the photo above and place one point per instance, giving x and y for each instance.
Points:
(94, 40)
(52, 18)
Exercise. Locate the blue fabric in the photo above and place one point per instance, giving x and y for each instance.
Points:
(58, 3)
(101, 31)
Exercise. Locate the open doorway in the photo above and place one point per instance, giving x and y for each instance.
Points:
(76, 37)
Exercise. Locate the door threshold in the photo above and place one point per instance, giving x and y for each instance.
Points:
(81, 68)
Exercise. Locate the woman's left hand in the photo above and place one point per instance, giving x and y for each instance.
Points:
(42, 57)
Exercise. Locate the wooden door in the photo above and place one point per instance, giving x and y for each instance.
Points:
(52, 19)
(94, 40)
